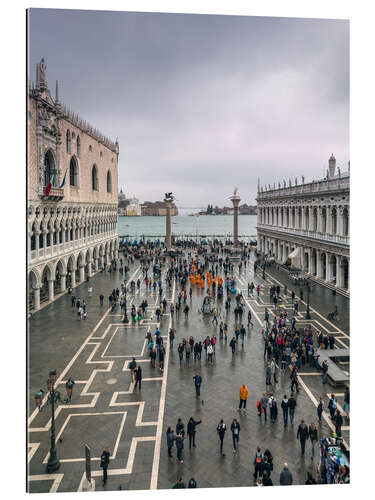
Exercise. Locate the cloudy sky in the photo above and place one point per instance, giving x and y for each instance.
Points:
(200, 103)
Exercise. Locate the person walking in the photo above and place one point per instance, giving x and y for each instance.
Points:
(171, 338)
(319, 410)
(197, 383)
(132, 367)
(332, 406)
(186, 311)
(180, 448)
(285, 408)
(232, 344)
(292, 403)
(313, 434)
(235, 428)
(210, 353)
(347, 402)
(221, 430)
(101, 299)
(286, 477)
(274, 367)
(302, 435)
(192, 424)
(325, 371)
(264, 403)
(268, 374)
(338, 421)
(170, 440)
(258, 463)
(244, 394)
(273, 408)
(138, 377)
(104, 463)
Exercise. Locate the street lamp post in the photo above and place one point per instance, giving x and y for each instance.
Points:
(307, 316)
(126, 319)
(54, 397)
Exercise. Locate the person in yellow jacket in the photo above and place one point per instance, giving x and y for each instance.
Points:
(244, 394)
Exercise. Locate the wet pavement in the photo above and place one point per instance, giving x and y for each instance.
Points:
(95, 352)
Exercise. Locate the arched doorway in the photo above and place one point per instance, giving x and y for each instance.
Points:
(71, 272)
(49, 167)
(47, 276)
(59, 278)
(33, 290)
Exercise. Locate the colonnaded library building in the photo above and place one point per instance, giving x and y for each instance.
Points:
(308, 223)
(72, 195)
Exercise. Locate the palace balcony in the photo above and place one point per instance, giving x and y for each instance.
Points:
(315, 235)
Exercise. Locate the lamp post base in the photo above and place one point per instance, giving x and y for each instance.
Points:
(53, 465)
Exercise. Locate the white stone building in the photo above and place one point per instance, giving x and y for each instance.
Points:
(72, 227)
(307, 225)
(134, 208)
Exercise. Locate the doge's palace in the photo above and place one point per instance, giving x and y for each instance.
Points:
(72, 195)
(308, 223)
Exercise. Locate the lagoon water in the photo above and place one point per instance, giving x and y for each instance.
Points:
(183, 225)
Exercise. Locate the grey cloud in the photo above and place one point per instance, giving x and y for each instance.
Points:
(202, 103)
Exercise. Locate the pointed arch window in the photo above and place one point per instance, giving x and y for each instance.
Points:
(68, 141)
(49, 166)
(78, 146)
(109, 182)
(73, 172)
(94, 175)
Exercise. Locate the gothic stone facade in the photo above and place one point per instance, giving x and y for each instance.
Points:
(313, 217)
(72, 229)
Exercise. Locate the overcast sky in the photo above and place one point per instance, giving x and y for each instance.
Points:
(201, 104)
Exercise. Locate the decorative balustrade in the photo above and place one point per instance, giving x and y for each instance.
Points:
(334, 238)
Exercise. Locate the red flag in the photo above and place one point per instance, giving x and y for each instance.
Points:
(48, 188)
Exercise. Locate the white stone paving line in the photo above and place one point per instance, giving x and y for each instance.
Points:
(159, 430)
(48, 477)
(302, 383)
(71, 415)
(68, 366)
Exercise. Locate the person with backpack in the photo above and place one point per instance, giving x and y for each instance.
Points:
(221, 430)
(132, 367)
(235, 428)
(197, 383)
(258, 464)
(273, 407)
(285, 408)
(332, 405)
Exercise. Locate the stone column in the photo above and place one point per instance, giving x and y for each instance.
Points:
(320, 220)
(318, 264)
(44, 241)
(329, 220)
(63, 282)
(73, 278)
(339, 272)
(36, 299)
(50, 290)
(82, 273)
(37, 233)
(89, 269)
(340, 221)
(235, 199)
(309, 267)
(168, 225)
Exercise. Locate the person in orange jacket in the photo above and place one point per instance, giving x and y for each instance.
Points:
(244, 394)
